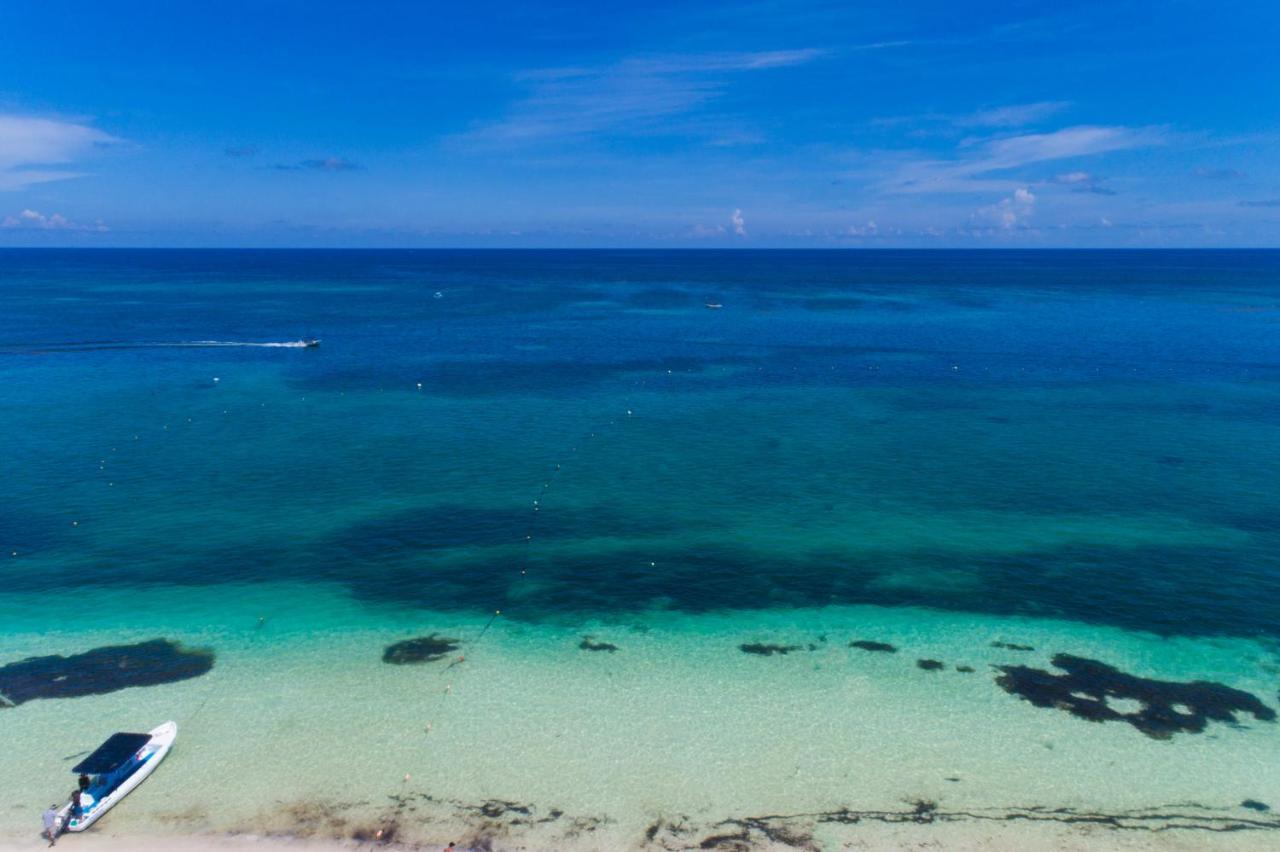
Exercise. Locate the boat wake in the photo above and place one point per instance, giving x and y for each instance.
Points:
(288, 344)
(99, 345)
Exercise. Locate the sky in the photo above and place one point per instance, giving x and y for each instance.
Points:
(753, 124)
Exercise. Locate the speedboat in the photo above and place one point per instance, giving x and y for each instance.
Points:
(311, 342)
(114, 769)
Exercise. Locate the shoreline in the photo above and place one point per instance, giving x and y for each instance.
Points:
(946, 831)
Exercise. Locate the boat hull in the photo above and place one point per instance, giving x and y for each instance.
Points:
(150, 756)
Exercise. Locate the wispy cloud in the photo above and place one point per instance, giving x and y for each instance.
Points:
(739, 223)
(1017, 115)
(240, 152)
(1217, 174)
(1083, 182)
(979, 164)
(949, 123)
(34, 220)
(635, 95)
(1266, 202)
(31, 149)
(328, 164)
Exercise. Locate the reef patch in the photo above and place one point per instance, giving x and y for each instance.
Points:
(869, 645)
(765, 650)
(1010, 646)
(1164, 708)
(589, 643)
(930, 665)
(106, 669)
(423, 649)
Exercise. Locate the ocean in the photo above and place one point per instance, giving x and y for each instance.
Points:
(700, 536)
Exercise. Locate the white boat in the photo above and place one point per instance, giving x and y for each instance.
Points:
(117, 766)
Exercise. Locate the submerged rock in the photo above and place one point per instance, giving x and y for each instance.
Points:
(765, 650)
(588, 643)
(1009, 646)
(868, 645)
(1164, 708)
(424, 649)
(100, 670)
(929, 665)
(1255, 805)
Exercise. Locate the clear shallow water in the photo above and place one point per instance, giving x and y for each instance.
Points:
(906, 447)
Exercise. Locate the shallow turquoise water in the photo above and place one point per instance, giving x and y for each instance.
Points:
(940, 449)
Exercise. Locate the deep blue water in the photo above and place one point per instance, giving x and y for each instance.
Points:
(1089, 435)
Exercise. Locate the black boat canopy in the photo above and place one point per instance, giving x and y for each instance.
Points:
(112, 754)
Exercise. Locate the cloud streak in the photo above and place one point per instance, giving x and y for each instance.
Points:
(980, 165)
(328, 164)
(32, 150)
(635, 95)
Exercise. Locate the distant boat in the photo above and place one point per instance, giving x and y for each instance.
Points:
(714, 305)
(310, 342)
(117, 766)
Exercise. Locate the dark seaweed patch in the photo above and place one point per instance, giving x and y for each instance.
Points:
(1168, 707)
(929, 665)
(488, 378)
(105, 669)
(868, 645)
(424, 649)
(1009, 646)
(391, 536)
(765, 650)
(588, 643)
(965, 669)
(1255, 805)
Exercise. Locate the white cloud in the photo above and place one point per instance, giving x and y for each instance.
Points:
(739, 224)
(868, 230)
(34, 220)
(1008, 213)
(29, 147)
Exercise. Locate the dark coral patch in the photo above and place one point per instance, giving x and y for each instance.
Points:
(424, 649)
(765, 650)
(1009, 646)
(965, 669)
(868, 645)
(588, 643)
(1168, 707)
(105, 669)
(929, 665)
(1255, 805)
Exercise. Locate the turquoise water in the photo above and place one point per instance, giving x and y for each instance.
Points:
(1072, 451)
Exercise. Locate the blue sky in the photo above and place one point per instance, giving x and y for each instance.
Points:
(751, 124)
